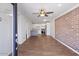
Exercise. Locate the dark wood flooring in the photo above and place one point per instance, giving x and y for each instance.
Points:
(43, 46)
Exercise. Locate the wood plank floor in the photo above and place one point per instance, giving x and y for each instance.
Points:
(43, 46)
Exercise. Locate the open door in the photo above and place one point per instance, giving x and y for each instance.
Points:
(6, 29)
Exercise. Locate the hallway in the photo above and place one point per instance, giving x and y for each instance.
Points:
(43, 46)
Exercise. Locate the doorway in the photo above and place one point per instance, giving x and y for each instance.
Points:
(43, 30)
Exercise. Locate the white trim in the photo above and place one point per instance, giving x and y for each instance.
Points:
(21, 42)
(67, 11)
(67, 46)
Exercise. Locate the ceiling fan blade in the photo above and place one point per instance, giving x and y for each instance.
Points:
(49, 12)
(35, 13)
(46, 15)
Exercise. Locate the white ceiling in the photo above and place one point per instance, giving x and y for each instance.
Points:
(28, 8)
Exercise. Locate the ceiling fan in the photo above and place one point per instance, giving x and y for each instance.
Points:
(42, 12)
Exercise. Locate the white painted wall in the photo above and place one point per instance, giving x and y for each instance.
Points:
(38, 27)
(52, 28)
(5, 35)
(24, 27)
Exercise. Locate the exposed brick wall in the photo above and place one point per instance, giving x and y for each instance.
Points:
(67, 28)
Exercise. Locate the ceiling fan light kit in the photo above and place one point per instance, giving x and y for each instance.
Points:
(43, 13)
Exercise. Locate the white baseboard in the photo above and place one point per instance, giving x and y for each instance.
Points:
(21, 42)
(67, 46)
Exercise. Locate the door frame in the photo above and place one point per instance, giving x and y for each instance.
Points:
(15, 37)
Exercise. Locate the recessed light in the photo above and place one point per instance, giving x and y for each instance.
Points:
(59, 5)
